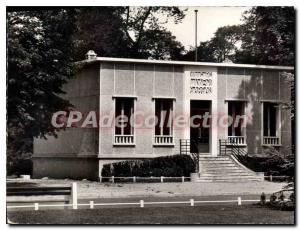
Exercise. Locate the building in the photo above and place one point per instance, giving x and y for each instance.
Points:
(178, 90)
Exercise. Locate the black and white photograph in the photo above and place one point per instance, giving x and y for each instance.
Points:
(150, 115)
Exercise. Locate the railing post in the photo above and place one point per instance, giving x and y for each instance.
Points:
(271, 178)
(134, 179)
(182, 179)
(113, 179)
(180, 142)
(239, 201)
(192, 202)
(74, 195)
(141, 203)
(36, 206)
(161, 179)
(91, 204)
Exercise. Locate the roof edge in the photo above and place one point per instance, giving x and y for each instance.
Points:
(233, 65)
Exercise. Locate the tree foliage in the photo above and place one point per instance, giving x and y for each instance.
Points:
(39, 62)
(221, 47)
(268, 36)
(132, 32)
(99, 29)
(146, 33)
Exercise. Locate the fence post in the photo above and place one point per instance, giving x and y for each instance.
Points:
(182, 178)
(192, 202)
(36, 206)
(161, 179)
(91, 204)
(239, 201)
(113, 179)
(74, 195)
(100, 179)
(134, 179)
(271, 178)
(141, 203)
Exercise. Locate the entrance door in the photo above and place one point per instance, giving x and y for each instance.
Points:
(200, 126)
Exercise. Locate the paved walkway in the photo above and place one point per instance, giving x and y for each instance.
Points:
(88, 189)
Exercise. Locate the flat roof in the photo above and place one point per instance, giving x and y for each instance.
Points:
(231, 65)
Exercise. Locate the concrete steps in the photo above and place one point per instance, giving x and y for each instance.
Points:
(224, 169)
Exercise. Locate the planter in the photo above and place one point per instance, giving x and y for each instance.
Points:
(195, 177)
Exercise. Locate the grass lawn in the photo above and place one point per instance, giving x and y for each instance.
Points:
(245, 214)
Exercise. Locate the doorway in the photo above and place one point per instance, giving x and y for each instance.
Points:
(200, 126)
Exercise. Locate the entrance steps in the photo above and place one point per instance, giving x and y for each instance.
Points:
(224, 169)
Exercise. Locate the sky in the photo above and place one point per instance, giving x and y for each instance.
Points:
(209, 20)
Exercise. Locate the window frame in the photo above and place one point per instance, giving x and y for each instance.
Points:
(243, 128)
(277, 137)
(171, 114)
(123, 97)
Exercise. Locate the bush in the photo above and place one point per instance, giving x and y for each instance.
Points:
(168, 166)
(20, 167)
(272, 162)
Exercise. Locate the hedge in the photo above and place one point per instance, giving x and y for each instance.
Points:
(168, 166)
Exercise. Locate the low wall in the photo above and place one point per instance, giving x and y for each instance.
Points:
(64, 167)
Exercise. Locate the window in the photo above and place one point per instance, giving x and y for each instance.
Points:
(236, 133)
(271, 123)
(164, 125)
(124, 131)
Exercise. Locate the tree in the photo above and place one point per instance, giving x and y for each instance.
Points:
(224, 42)
(165, 46)
(144, 31)
(130, 32)
(205, 53)
(39, 62)
(219, 48)
(99, 29)
(268, 36)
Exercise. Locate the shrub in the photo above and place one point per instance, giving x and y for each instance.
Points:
(168, 166)
(272, 162)
(19, 167)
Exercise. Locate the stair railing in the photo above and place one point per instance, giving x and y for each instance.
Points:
(229, 148)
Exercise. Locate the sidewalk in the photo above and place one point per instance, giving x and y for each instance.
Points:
(88, 189)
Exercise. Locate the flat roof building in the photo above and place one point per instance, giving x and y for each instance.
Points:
(172, 107)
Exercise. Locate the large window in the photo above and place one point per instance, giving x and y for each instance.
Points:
(236, 132)
(271, 123)
(124, 130)
(164, 125)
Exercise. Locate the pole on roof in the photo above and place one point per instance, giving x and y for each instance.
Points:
(196, 54)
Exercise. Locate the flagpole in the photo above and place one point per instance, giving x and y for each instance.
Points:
(196, 53)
